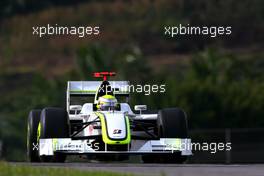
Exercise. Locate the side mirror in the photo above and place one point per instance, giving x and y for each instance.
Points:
(140, 108)
(75, 108)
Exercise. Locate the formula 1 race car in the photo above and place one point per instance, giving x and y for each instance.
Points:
(98, 123)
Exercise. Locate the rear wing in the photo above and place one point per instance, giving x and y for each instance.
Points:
(88, 89)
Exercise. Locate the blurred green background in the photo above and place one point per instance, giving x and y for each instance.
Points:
(219, 81)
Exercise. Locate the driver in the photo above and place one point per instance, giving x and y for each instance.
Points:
(107, 103)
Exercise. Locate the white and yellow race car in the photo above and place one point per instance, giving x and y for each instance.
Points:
(99, 123)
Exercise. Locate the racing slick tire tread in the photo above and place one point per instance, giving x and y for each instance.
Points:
(54, 123)
(171, 123)
(33, 121)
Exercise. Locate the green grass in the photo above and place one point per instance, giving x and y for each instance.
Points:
(19, 170)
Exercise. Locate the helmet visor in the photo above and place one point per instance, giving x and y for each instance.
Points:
(107, 104)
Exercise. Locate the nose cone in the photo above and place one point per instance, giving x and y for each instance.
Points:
(115, 127)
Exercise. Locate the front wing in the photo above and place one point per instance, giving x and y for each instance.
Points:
(67, 145)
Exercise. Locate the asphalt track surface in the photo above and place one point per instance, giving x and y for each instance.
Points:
(163, 169)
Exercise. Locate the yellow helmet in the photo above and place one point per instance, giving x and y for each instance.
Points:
(107, 102)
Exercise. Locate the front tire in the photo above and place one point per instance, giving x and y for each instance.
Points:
(54, 123)
(171, 123)
(33, 121)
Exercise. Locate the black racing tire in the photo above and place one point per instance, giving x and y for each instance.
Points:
(171, 123)
(32, 128)
(54, 123)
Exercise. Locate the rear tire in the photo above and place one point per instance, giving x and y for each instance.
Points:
(33, 121)
(171, 123)
(54, 123)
